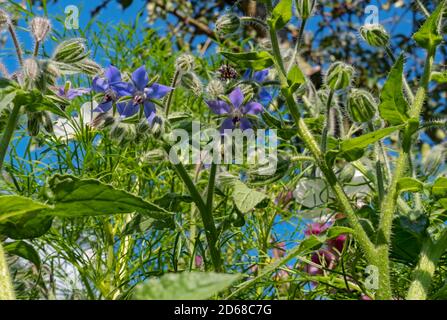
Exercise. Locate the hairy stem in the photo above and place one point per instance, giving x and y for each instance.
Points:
(6, 288)
(19, 53)
(7, 135)
(324, 135)
(171, 94)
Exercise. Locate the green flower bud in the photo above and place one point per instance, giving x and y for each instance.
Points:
(34, 121)
(40, 27)
(4, 19)
(192, 82)
(361, 106)
(185, 63)
(157, 128)
(47, 122)
(305, 8)
(375, 35)
(154, 156)
(339, 76)
(215, 88)
(248, 91)
(71, 51)
(347, 173)
(89, 67)
(228, 24)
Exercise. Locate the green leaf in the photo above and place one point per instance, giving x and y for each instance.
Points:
(23, 218)
(281, 14)
(245, 198)
(334, 232)
(295, 78)
(353, 149)
(439, 189)
(34, 101)
(393, 107)
(185, 286)
(7, 92)
(409, 185)
(253, 60)
(439, 77)
(23, 250)
(429, 35)
(75, 197)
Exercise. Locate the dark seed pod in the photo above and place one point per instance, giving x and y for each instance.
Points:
(227, 73)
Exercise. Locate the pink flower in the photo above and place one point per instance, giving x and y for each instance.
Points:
(316, 228)
(279, 250)
(338, 243)
(365, 297)
(198, 261)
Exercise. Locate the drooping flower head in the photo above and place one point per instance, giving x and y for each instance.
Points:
(142, 96)
(235, 110)
(112, 86)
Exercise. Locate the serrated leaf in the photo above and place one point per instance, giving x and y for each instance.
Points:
(281, 14)
(185, 286)
(251, 60)
(393, 106)
(409, 185)
(429, 35)
(353, 149)
(23, 250)
(246, 199)
(75, 197)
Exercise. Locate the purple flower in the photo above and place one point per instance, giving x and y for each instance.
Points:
(142, 95)
(68, 93)
(112, 86)
(338, 243)
(316, 228)
(260, 76)
(236, 112)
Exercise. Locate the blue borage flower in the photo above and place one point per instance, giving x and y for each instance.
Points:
(70, 93)
(142, 96)
(237, 113)
(113, 88)
(260, 77)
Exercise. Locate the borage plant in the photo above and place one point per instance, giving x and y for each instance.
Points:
(111, 194)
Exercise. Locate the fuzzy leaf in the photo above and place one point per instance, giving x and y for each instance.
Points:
(429, 35)
(184, 286)
(295, 78)
(23, 250)
(252, 60)
(245, 198)
(393, 107)
(353, 149)
(409, 185)
(281, 14)
(439, 189)
(74, 197)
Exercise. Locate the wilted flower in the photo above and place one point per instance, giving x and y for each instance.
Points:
(338, 242)
(235, 111)
(375, 35)
(192, 82)
(112, 86)
(339, 76)
(39, 28)
(30, 69)
(142, 96)
(68, 93)
(227, 72)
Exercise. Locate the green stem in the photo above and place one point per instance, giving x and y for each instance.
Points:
(324, 135)
(298, 43)
(423, 273)
(7, 135)
(210, 190)
(12, 31)
(171, 94)
(379, 172)
(206, 215)
(390, 201)
(6, 287)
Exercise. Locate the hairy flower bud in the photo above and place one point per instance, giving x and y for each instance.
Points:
(228, 24)
(185, 63)
(40, 27)
(47, 122)
(339, 76)
(89, 67)
(34, 121)
(305, 8)
(192, 82)
(346, 174)
(375, 35)
(361, 106)
(71, 51)
(215, 88)
(157, 128)
(4, 19)
(248, 91)
(30, 69)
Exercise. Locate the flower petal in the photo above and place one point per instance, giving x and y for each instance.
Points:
(236, 97)
(113, 74)
(219, 107)
(227, 124)
(103, 107)
(127, 109)
(87, 110)
(123, 89)
(149, 111)
(73, 93)
(265, 97)
(253, 108)
(100, 84)
(140, 78)
(260, 76)
(245, 124)
(157, 91)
